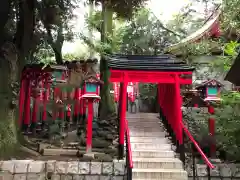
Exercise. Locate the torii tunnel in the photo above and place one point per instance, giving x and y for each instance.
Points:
(166, 71)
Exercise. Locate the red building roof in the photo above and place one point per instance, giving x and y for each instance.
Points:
(210, 28)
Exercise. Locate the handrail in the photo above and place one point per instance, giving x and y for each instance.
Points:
(129, 150)
(209, 164)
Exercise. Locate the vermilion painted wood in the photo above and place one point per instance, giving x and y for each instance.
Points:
(76, 104)
(145, 76)
(123, 111)
(178, 110)
(129, 145)
(122, 72)
(211, 126)
(61, 114)
(116, 91)
(210, 165)
(56, 94)
(35, 108)
(170, 108)
(46, 85)
(27, 109)
(22, 99)
(89, 125)
(168, 81)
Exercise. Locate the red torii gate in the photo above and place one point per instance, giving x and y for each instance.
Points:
(165, 70)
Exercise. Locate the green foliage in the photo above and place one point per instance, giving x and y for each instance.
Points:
(230, 48)
(145, 34)
(94, 20)
(148, 94)
(123, 8)
(72, 57)
(224, 62)
(227, 120)
(147, 91)
(230, 18)
(228, 124)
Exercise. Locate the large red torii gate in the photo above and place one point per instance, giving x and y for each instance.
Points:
(165, 70)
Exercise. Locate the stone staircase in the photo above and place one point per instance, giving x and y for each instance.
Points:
(153, 157)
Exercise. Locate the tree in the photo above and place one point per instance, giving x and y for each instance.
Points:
(145, 34)
(20, 37)
(14, 47)
(55, 17)
(123, 9)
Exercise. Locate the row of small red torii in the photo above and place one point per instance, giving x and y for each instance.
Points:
(45, 96)
(132, 91)
(26, 90)
(34, 77)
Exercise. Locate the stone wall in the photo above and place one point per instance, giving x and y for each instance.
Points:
(61, 170)
(221, 172)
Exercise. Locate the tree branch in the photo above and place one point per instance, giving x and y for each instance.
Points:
(165, 28)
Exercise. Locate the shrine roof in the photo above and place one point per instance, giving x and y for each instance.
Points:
(211, 82)
(208, 26)
(233, 74)
(147, 63)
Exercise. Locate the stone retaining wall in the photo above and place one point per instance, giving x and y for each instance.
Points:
(61, 170)
(221, 172)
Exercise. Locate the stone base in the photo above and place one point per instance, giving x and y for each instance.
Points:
(58, 170)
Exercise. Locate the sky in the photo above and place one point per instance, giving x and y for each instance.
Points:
(163, 9)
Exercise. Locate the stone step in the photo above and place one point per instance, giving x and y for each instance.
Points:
(151, 146)
(139, 128)
(147, 130)
(159, 174)
(147, 134)
(153, 154)
(146, 125)
(157, 163)
(149, 140)
(144, 120)
(137, 122)
(158, 179)
(142, 129)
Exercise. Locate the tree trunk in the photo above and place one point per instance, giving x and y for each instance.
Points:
(90, 31)
(58, 55)
(106, 104)
(4, 12)
(8, 76)
(12, 58)
(56, 45)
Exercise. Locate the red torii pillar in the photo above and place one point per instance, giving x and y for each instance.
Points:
(122, 115)
(35, 104)
(22, 97)
(178, 110)
(27, 108)
(171, 109)
(89, 125)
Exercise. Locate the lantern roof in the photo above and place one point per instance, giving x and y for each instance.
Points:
(93, 80)
(164, 62)
(212, 82)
